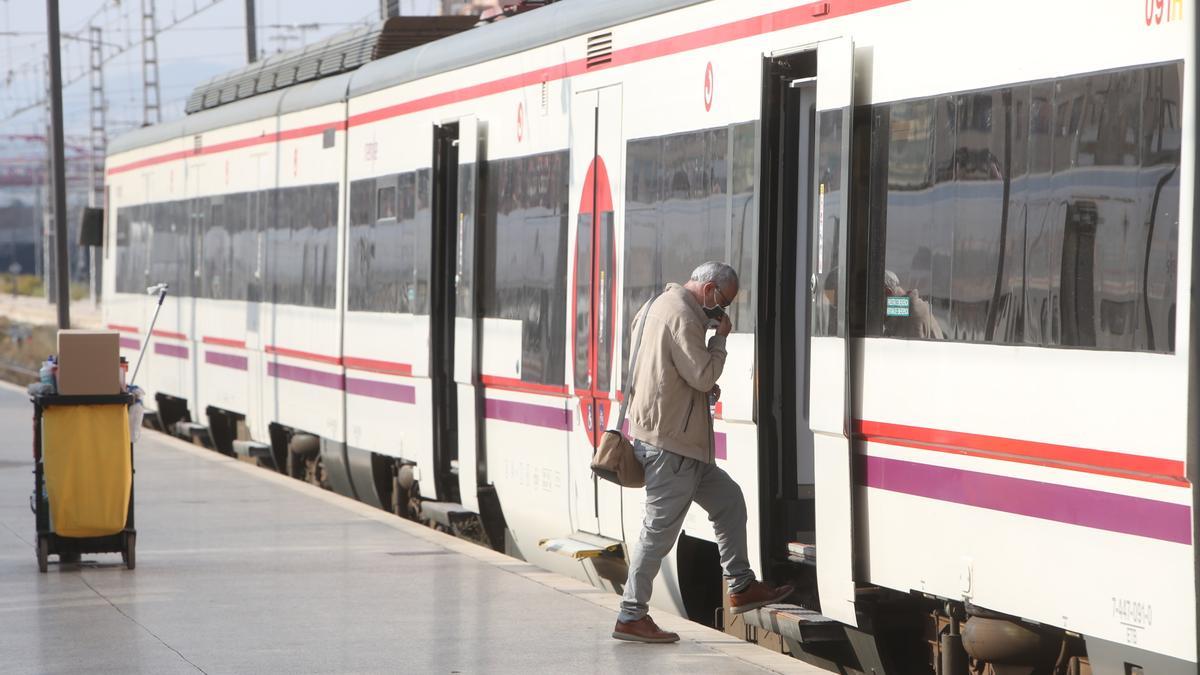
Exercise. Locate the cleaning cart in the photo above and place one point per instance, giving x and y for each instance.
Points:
(83, 477)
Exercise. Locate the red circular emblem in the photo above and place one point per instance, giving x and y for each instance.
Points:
(520, 122)
(708, 87)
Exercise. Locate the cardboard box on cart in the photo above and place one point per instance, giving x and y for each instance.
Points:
(89, 362)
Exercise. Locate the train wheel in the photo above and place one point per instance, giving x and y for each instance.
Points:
(43, 554)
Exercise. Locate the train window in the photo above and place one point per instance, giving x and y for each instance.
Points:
(406, 246)
(689, 198)
(385, 245)
(829, 228)
(127, 259)
(422, 237)
(523, 245)
(743, 217)
(238, 221)
(1052, 217)
(214, 250)
(325, 245)
(386, 204)
(464, 259)
(361, 256)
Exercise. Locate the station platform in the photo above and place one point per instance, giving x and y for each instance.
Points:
(242, 570)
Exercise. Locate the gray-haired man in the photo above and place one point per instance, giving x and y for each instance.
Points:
(669, 420)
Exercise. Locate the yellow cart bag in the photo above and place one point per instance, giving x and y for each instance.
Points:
(89, 472)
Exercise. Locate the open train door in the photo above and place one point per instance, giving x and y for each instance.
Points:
(472, 464)
(453, 366)
(829, 383)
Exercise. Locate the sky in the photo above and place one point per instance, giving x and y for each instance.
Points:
(208, 44)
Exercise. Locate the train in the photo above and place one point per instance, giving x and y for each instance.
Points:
(961, 396)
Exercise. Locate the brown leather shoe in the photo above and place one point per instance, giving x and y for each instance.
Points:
(756, 595)
(643, 630)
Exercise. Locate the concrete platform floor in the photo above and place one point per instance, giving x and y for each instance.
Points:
(244, 571)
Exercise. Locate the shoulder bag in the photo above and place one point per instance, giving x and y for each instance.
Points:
(614, 460)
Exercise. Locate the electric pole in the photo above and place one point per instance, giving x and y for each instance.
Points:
(57, 159)
(251, 34)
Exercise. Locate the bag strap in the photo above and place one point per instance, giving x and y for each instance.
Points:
(627, 390)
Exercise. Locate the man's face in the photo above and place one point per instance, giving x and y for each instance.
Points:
(722, 296)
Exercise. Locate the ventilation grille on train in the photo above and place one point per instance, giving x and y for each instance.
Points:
(599, 50)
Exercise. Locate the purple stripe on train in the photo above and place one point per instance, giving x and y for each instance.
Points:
(305, 375)
(176, 351)
(1048, 501)
(528, 413)
(129, 343)
(401, 393)
(226, 360)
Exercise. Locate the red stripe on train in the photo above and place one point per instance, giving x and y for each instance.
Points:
(511, 384)
(309, 356)
(223, 342)
(1101, 462)
(705, 37)
(377, 366)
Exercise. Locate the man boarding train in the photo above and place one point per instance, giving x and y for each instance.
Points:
(675, 373)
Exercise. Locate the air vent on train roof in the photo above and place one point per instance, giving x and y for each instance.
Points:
(331, 56)
(599, 49)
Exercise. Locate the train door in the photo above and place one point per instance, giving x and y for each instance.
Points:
(256, 226)
(803, 407)
(829, 381)
(453, 339)
(596, 176)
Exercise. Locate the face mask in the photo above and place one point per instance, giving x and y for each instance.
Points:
(715, 312)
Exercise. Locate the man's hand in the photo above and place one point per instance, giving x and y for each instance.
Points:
(714, 394)
(725, 327)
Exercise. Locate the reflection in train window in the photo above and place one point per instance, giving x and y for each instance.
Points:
(388, 245)
(1052, 215)
(524, 258)
(689, 198)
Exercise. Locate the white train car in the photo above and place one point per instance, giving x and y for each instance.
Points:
(962, 368)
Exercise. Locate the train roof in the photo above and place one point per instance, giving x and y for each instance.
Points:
(547, 25)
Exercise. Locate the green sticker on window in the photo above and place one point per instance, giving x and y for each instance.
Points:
(897, 305)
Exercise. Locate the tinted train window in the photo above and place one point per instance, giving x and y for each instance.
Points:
(388, 245)
(1044, 214)
(689, 198)
(464, 259)
(222, 247)
(524, 248)
(302, 246)
(829, 227)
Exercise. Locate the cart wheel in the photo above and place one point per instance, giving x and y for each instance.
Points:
(128, 555)
(43, 554)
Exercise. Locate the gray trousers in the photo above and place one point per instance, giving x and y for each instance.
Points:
(673, 482)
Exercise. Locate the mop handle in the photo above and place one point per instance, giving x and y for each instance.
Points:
(162, 294)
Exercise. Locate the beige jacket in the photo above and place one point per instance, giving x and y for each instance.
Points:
(674, 372)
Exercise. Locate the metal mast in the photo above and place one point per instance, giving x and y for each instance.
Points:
(99, 145)
(151, 110)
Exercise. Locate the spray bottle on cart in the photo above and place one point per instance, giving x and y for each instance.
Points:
(48, 373)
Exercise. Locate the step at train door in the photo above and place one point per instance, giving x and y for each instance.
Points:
(596, 180)
(829, 412)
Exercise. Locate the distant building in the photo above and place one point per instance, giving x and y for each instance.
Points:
(18, 233)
